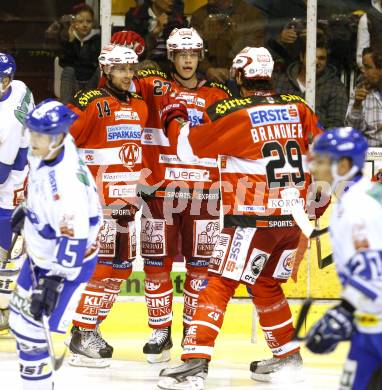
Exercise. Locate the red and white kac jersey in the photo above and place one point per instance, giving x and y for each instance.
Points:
(108, 136)
(263, 144)
(159, 157)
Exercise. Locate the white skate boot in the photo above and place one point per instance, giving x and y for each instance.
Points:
(157, 349)
(188, 376)
(288, 369)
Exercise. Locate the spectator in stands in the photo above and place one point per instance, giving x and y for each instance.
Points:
(227, 26)
(286, 24)
(331, 96)
(154, 20)
(79, 54)
(369, 30)
(365, 107)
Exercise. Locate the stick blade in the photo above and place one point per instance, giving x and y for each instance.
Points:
(301, 319)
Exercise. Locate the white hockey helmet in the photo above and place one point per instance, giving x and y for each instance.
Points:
(184, 39)
(256, 63)
(116, 54)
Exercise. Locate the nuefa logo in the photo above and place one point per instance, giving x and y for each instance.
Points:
(130, 154)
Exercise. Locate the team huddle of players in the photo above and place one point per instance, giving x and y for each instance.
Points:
(172, 145)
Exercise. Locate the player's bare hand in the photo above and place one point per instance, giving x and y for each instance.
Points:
(288, 36)
(218, 74)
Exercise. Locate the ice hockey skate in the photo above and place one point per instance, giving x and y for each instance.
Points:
(89, 349)
(157, 349)
(278, 370)
(188, 376)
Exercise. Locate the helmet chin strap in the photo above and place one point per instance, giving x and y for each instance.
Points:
(53, 149)
(2, 89)
(338, 178)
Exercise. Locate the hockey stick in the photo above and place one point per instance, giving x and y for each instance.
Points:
(56, 362)
(301, 320)
(304, 224)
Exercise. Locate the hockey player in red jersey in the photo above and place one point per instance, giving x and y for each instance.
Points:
(262, 139)
(108, 135)
(171, 188)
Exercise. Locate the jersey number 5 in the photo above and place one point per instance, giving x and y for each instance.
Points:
(288, 159)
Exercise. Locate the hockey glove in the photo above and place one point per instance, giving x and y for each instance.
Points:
(129, 39)
(335, 326)
(172, 108)
(18, 218)
(45, 296)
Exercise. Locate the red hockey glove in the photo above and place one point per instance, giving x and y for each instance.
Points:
(130, 39)
(172, 108)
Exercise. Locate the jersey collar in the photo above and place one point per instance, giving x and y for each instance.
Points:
(55, 161)
(6, 95)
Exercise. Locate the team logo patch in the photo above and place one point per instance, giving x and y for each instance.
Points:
(153, 241)
(285, 264)
(206, 233)
(219, 253)
(107, 236)
(255, 265)
(130, 154)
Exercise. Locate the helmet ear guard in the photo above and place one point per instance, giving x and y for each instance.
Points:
(115, 54)
(255, 63)
(339, 143)
(50, 117)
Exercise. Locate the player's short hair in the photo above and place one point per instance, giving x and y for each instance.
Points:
(253, 85)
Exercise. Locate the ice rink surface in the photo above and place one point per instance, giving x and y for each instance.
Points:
(229, 369)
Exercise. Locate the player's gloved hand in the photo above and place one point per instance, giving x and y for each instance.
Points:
(130, 39)
(18, 218)
(45, 296)
(335, 326)
(172, 108)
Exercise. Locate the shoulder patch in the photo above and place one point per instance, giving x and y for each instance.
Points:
(135, 96)
(82, 98)
(227, 106)
(376, 192)
(289, 98)
(152, 73)
(213, 84)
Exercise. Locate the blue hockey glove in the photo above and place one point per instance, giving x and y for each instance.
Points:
(18, 218)
(335, 326)
(45, 296)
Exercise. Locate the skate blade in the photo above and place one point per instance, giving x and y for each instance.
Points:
(163, 357)
(286, 375)
(76, 360)
(191, 383)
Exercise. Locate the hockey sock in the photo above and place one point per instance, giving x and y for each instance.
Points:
(275, 317)
(192, 286)
(111, 292)
(208, 318)
(159, 294)
(87, 312)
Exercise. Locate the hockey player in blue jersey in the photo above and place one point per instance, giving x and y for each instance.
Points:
(16, 101)
(356, 237)
(63, 217)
